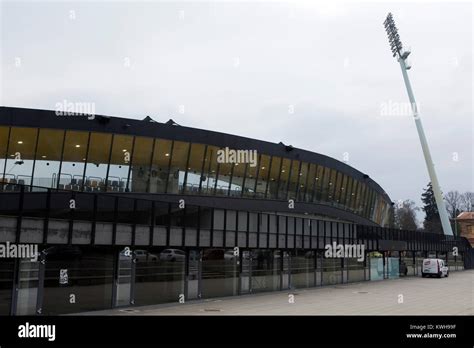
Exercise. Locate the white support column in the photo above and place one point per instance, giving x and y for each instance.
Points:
(443, 214)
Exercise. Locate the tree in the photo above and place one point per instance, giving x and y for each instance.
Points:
(405, 215)
(467, 201)
(453, 203)
(432, 222)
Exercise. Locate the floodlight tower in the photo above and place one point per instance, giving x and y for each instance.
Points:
(401, 54)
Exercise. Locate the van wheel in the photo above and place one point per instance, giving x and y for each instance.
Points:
(447, 274)
(423, 275)
(439, 274)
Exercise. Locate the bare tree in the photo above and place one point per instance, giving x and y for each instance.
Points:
(453, 202)
(405, 215)
(467, 201)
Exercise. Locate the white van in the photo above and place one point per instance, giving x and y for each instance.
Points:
(434, 267)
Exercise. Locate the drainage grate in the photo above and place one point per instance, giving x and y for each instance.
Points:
(212, 310)
(362, 292)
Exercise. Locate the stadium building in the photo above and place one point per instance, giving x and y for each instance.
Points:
(135, 212)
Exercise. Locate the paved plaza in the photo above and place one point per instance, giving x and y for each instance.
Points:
(405, 296)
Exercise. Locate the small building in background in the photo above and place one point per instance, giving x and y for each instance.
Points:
(466, 225)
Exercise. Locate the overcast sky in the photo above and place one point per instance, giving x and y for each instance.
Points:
(319, 76)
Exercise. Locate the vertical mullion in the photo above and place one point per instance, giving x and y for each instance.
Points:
(61, 160)
(268, 178)
(86, 161)
(183, 190)
(203, 168)
(34, 158)
(150, 165)
(290, 172)
(169, 167)
(6, 155)
(106, 186)
(128, 189)
(257, 175)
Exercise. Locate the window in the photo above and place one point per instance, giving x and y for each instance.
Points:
(272, 190)
(284, 177)
(294, 179)
(337, 188)
(4, 131)
(20, 159)
(48, 158)
(179, 160)
(223, 181)
(251, 179)
(343, 190)
(141, 159)
(210, 171)
(311, 185)
(120, 158)
(325, 184)
(331, 186)
(318, 196)
(263, 172)
(238, 178)
(74, 158)
(160, 166)
(97, 162)
(304, 180)
(194, 175)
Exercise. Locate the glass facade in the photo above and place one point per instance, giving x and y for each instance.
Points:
(92, 161)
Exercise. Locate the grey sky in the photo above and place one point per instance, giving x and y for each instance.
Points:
(241, 67)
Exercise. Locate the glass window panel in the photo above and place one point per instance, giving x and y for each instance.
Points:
(74, 157)
(160, 275)
(90, 272)
(360, 204)
(319, 184)
(325, 184)
(343, 190)
(210, 171)
(242, 223)
(355, 190)
(348, 194)
(97, 162)
(140, 172)
(284, 176)
(263, 223)
(178, 167)
(263, 171)
(253, 222)
(311, 183)
(21, 154)
(337, 188)
(272, 190)
(160, 166)
(219, 219)
(294, 180)
(304, 180)
(3, 150)
(223, 181)
(48, 158)
(195, 166)
(231, 220)
(250, 180)
(120, 163)
(332, 184)
(238, 179)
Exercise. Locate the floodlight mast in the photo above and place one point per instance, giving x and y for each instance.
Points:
(401, 54)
